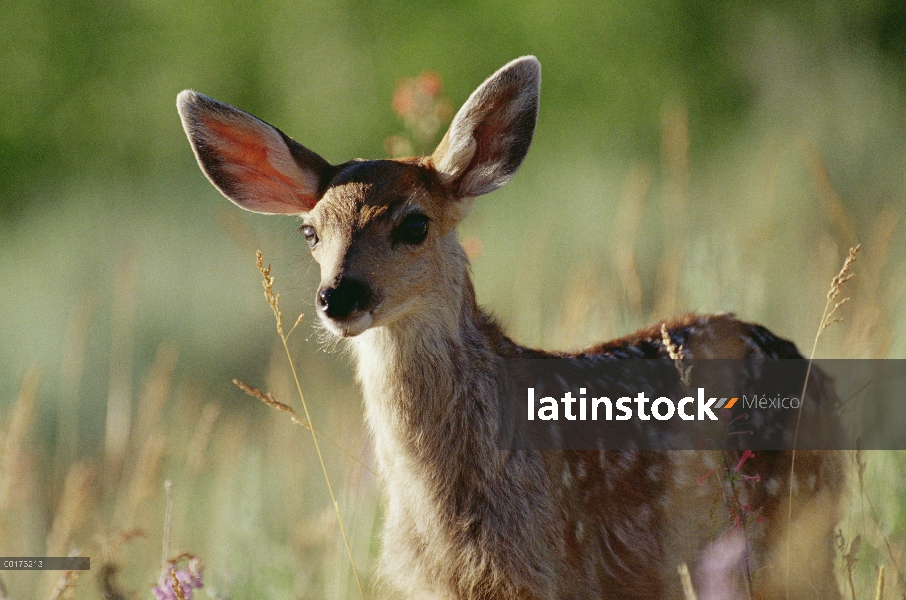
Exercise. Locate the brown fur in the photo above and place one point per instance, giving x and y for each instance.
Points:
(465, 520)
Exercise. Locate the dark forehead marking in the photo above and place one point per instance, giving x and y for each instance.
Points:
(386, 180)
(364, 190)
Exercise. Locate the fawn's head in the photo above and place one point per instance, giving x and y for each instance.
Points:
(383, 231)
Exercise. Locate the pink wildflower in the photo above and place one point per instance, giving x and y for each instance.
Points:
(189, 578)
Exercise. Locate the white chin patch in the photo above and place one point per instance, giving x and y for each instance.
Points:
(350, 328)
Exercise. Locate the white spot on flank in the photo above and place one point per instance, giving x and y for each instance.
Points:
(567, 477)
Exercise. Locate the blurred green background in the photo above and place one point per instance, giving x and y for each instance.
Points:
(689, 156)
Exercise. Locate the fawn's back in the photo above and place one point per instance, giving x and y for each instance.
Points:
(463, 518)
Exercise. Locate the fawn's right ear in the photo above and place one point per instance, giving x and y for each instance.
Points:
(252, 163)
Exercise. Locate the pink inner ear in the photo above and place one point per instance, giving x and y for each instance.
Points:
(244, 155)
(487, 135)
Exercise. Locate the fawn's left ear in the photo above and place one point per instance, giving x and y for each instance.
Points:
(252, 163)
(490, 135)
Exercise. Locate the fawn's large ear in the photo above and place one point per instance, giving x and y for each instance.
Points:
(252, 163)
(490, 135)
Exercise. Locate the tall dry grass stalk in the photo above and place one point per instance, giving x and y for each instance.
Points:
(677, 355)
(273, 299)
(828, 317)
(156, 390)
(17, 473)
(871, 336)
(630, 210)
(674, 199)
(879, 590)
(168, 522)
(143, 479)
(201, 437)
(675, 144)
(586, 309)
(72, 512)
(140, 461)
(72, 367)
(65, 586)
(830, 201)
(119, 386)
(13, 442)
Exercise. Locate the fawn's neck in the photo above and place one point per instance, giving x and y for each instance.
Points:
(429, 382)
(430, 386)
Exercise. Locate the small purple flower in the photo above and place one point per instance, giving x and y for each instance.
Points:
(189, 578)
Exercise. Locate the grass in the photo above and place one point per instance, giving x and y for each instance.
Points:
(248, 493)
(273, 299)
(828, 317)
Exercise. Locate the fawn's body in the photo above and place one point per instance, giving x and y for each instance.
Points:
(464, 519)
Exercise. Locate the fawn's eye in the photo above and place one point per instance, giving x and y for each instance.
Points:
(412, 230)
(310, 235)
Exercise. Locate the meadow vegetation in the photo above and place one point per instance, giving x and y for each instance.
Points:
(688, 158)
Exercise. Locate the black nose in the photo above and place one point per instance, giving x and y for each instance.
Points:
(344, 299)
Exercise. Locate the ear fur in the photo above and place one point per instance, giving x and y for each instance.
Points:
(252, 163)
(490, 135)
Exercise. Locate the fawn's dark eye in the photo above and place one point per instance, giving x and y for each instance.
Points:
(412, 230)
(310, 235)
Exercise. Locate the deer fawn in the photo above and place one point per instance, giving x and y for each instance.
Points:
(463, 518)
